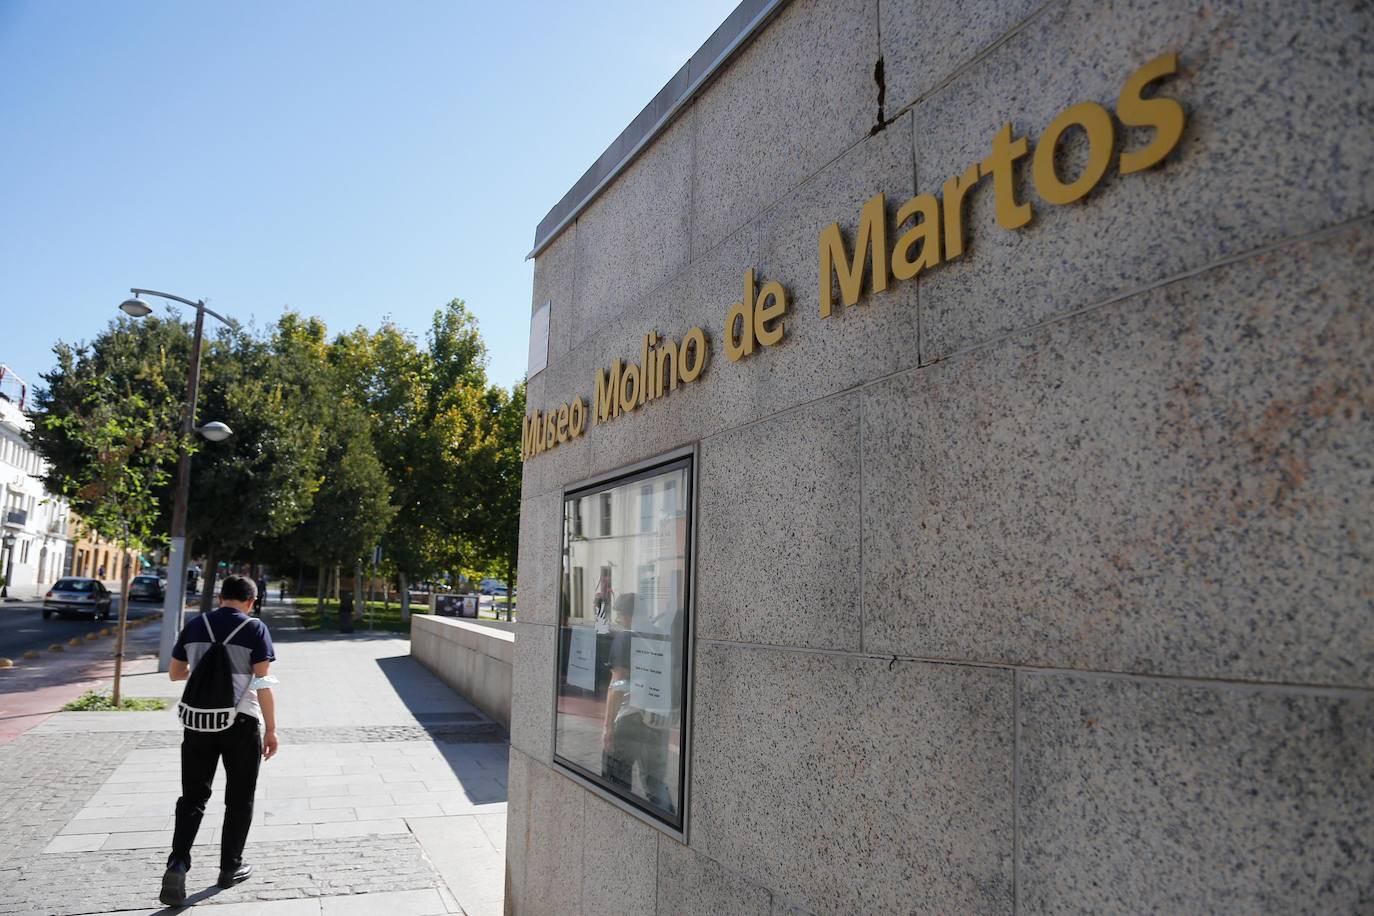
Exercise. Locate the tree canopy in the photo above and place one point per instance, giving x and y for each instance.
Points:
(371, 437)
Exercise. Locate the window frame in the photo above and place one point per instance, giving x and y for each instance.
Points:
(687, 458)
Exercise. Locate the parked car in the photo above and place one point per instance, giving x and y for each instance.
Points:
(78, 595)
(493, 587)
(146, 588)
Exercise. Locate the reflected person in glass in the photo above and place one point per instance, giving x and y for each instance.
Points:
(630, 735)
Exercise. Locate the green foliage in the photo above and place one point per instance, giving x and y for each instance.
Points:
(261, 481)
(106, 425)
(501, 476)
(430, 405)
(91, 701)
(338, 445)
(352, 506)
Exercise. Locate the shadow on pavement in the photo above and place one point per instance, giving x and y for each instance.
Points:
(458, 734)
(191, 900)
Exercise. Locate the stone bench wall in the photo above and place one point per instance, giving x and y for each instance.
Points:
(473, 658)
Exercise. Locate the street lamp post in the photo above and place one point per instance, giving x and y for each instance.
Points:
(174, 601)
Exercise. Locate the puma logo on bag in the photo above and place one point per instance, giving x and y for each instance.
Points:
(209, 700)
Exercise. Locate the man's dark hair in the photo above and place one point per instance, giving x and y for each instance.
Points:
(238, 588)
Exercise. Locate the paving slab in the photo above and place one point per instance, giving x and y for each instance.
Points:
(369, 765)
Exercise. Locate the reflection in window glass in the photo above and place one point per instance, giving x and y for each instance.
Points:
(621, 676)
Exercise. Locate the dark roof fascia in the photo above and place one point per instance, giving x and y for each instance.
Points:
(734, 34)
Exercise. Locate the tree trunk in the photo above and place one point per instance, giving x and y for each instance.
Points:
(319, 590)
(361, 608)
(119, 634)
(404, 582)
(211, 572)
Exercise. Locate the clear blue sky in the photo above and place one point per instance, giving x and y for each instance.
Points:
(346, 159)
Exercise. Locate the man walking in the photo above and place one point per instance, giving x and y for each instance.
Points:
(240, 745)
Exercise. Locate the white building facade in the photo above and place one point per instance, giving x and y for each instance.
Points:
(39, 522)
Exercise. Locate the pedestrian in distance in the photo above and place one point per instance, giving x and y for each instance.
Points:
(224, 656)
(262, 595)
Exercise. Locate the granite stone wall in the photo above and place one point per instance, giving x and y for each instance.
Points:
(1093, 505)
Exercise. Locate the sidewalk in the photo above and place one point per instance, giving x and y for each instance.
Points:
(35, 690)
(388, 796)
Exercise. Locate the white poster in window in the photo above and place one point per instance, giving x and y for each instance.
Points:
(539, 340)
(582, 658)
(651, 675)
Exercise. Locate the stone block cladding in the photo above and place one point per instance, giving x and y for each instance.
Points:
(1039, 582)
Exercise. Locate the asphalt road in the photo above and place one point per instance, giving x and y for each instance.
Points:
(22, 626)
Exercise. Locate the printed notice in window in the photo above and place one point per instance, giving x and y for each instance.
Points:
(651, 675)
(582, 658)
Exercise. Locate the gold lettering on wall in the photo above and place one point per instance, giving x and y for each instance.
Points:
(663, 366)
(756, 319)
(929, 231)
(936, 232)
(870, 245)
(543, 431)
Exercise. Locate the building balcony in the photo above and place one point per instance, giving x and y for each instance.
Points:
(15, 518)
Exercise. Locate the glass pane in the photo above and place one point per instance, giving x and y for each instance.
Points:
(621, 678)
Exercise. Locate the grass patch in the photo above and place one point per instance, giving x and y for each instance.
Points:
(385, 618)
(91, 701)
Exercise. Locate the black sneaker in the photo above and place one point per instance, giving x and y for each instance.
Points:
(230, 878)
(173, 886)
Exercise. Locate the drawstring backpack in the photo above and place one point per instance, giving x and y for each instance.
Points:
(208, 702)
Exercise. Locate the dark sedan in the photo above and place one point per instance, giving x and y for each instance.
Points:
(74, 595)
(146, 588)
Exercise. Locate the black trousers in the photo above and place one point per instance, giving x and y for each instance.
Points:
(240, 746)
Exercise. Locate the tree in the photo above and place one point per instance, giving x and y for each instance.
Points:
(459, 435)
(261, 481)
(388, 374)
(337, 445)
(502, 475)
(352, 506)
(428, 407)
(125, 447)
(258, 483)
(145, 360)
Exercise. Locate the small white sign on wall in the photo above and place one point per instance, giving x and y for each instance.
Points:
(539, 340)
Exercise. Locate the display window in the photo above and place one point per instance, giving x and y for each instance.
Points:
(622, 679)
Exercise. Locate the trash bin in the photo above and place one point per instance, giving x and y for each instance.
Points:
(346, 612)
